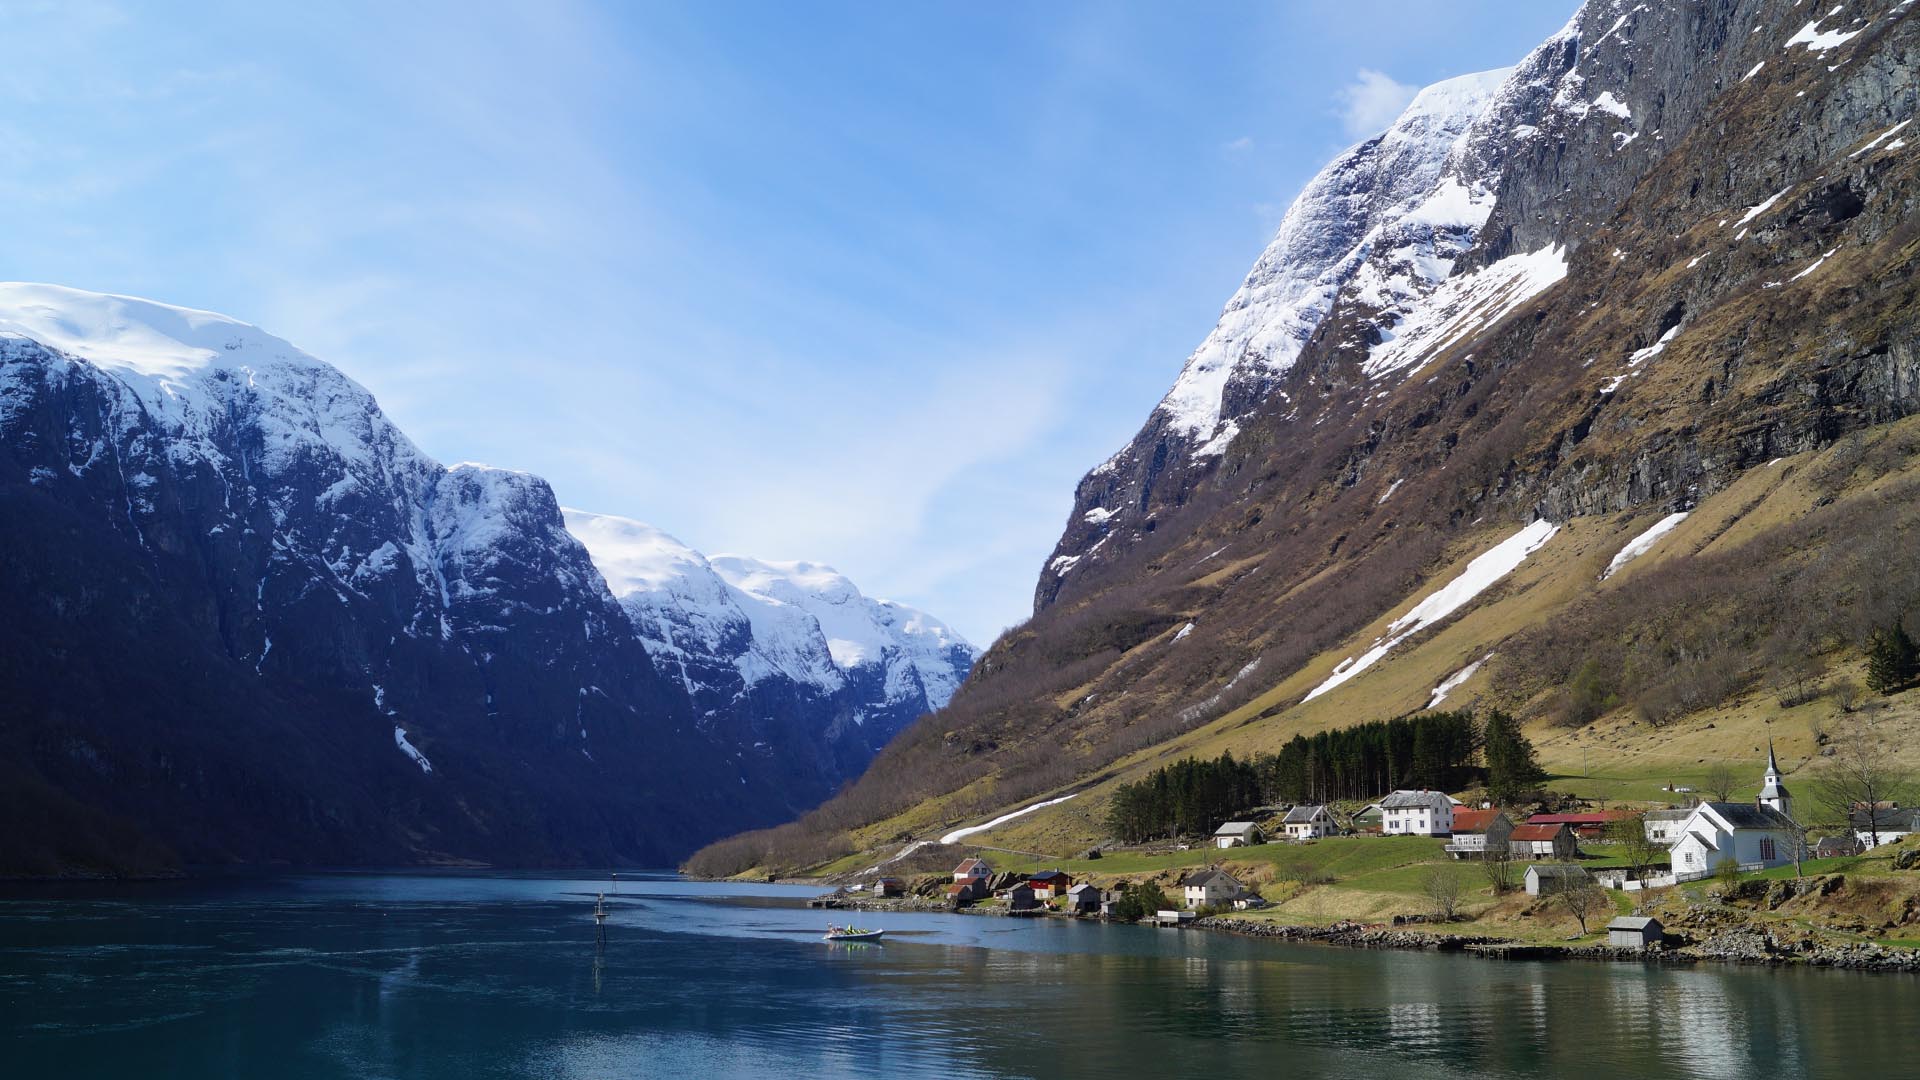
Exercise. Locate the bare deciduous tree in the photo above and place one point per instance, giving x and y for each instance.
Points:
(1862, 780)
(1443, 887)
(1640, 850)
(1583, 902)
(1720, 782)
(1497, 864)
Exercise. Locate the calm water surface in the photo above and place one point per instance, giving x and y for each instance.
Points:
(500, 976)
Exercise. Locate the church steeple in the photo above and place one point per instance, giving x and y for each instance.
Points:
(1773, 793)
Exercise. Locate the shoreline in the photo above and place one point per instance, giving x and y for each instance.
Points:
(1745, 944)
(1749, 945)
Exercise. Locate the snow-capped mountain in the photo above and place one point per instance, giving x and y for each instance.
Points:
(731, 626)
(1359, 262)
(252, 620)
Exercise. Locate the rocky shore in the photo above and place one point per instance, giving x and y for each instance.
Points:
(1738, 944)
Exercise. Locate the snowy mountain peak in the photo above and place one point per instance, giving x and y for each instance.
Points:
(806, 621)
(1342, 219)
(141, 337)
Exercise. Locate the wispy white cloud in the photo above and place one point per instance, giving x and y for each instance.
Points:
(1243, 143)
(1372, 101)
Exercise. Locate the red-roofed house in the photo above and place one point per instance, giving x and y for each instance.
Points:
(1477, 832)
(973, 870)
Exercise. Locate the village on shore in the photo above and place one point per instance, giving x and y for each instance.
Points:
(1716, 879)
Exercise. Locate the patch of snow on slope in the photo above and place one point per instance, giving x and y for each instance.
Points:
(1882, 137)
(1464, 305)
(1613, 106)
(1184, 631)
(958, 835)
(1643, 543)
(1486, 569)
(1455, 681)
(1641, 356)
(1816, 265)
(1391, 488)
(1099, 515)
(1815, 40)
(407, 748)
(1756, 211)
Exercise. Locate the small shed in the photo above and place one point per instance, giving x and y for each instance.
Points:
(1237, 834)
(1083, 899)
(1634, 932)
(1021, 898)
(889, 886)
(962, 893)
(1545, 879)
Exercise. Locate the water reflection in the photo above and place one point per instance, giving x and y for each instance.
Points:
(505, 976)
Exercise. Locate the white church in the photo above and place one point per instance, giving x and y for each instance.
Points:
(1753, 836)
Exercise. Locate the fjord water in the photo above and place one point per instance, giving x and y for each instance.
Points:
(501, 976)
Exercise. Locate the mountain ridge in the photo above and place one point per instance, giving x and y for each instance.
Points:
(254, 548)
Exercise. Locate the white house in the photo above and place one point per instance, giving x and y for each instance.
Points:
(1752, 836)
(1308, 823)
(1209, 886)
(1663, 826)
(1236, 834)
(1886, 825)
(1416, 813)
(973, 870)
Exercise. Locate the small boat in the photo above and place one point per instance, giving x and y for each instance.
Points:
(851, 933)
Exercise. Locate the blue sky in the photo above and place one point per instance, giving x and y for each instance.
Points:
(867, 284)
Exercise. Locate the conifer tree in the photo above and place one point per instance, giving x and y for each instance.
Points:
(1892, 660)
(1511, 766)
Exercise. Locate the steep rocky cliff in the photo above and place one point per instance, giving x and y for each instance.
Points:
(1681, 245)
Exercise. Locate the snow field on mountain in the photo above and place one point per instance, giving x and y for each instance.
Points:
(1480, 574)
(1644, 542)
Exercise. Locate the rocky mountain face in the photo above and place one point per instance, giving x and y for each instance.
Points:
(249, 621)
(1676, 243)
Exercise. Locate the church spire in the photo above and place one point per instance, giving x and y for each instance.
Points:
(1773, 793)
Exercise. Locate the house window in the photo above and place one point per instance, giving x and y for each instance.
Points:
(1766, 847)
(1690, 861)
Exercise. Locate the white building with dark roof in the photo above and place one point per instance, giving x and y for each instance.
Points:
(1308, 823)
(1752, 836)
(1416, 813)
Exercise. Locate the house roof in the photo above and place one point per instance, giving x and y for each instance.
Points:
(1904, 819)
(1669, 815)
(1634, 922)
(1598, 817)
(1558, 870)
(1082, 888)
(1304, 815)
(1743, 815)
(887, 881)
(1533, 831)
(1235, 828)
(970, 865)
(1211, 875)
(1403, 800)
(1473, 821)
